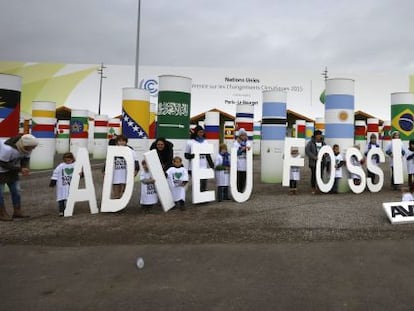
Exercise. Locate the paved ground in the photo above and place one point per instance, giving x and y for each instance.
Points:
(347, 275)
(274, 252)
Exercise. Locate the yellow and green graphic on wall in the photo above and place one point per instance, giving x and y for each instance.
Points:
(45, 81)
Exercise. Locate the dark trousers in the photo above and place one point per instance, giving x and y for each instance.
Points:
(393, 185)
(222, 193)
(292, 184)
(372, 176)
(410, 182)
(241, 181)
(335, 185)
(313, 174)
(313, 177)
(61, 205)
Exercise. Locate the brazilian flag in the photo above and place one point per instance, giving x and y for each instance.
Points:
(403, 120)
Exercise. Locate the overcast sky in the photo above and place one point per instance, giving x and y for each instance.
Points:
(346, 36)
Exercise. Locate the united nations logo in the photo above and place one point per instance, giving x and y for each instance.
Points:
(150, 85)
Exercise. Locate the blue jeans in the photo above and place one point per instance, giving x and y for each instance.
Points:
(14, 192)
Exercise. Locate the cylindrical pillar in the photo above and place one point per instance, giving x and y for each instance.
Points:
(300, 132)
(100, 144)
(339, 112)
(91, 131)
(43, 128)
(257, 137)
(21, 126)
(153, 121)
(114, 128)
(135, 118)
(339, 118)
(402, 115)
(10, 93)
(244, 119)
(79, 123)
(212, 128)
(310, 128)
(174, 106)
(273, 136)
(62, 136)
(360, 136)
(372, 128)
(386, 133)
(320, 125)
(229, 134)
(300, 129)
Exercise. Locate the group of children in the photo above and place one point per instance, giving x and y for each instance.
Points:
(177, 177)
(340, 163)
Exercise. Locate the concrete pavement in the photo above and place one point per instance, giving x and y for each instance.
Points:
(340, 275)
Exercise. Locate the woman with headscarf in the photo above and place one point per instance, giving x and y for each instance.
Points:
(14, 159)
(165, 151)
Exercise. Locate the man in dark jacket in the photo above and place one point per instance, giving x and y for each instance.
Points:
(312, 149)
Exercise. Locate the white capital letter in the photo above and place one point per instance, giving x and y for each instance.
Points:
(115, 205)
(82, 164)
(288, 161)
(201, 173)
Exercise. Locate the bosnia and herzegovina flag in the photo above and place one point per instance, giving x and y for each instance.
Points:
(135, 118)
(9, 112)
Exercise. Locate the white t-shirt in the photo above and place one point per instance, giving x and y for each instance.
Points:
(222, 176)
(410, 163)
(294, 173)
(175, 177)
(148, 192)
(338, 170)
(241, 159)
(63, 176)
(355, 162)
(120, 171)
(189, 149)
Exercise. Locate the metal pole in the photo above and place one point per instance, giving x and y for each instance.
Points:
(137, 47)
(100, 71)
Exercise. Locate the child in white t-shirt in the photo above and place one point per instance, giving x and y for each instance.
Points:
(177, 177)
(222, 167)
(149, 195)
(294, 172)
(61, 178)
(354, 161)
(120, 170)
(339, 162)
